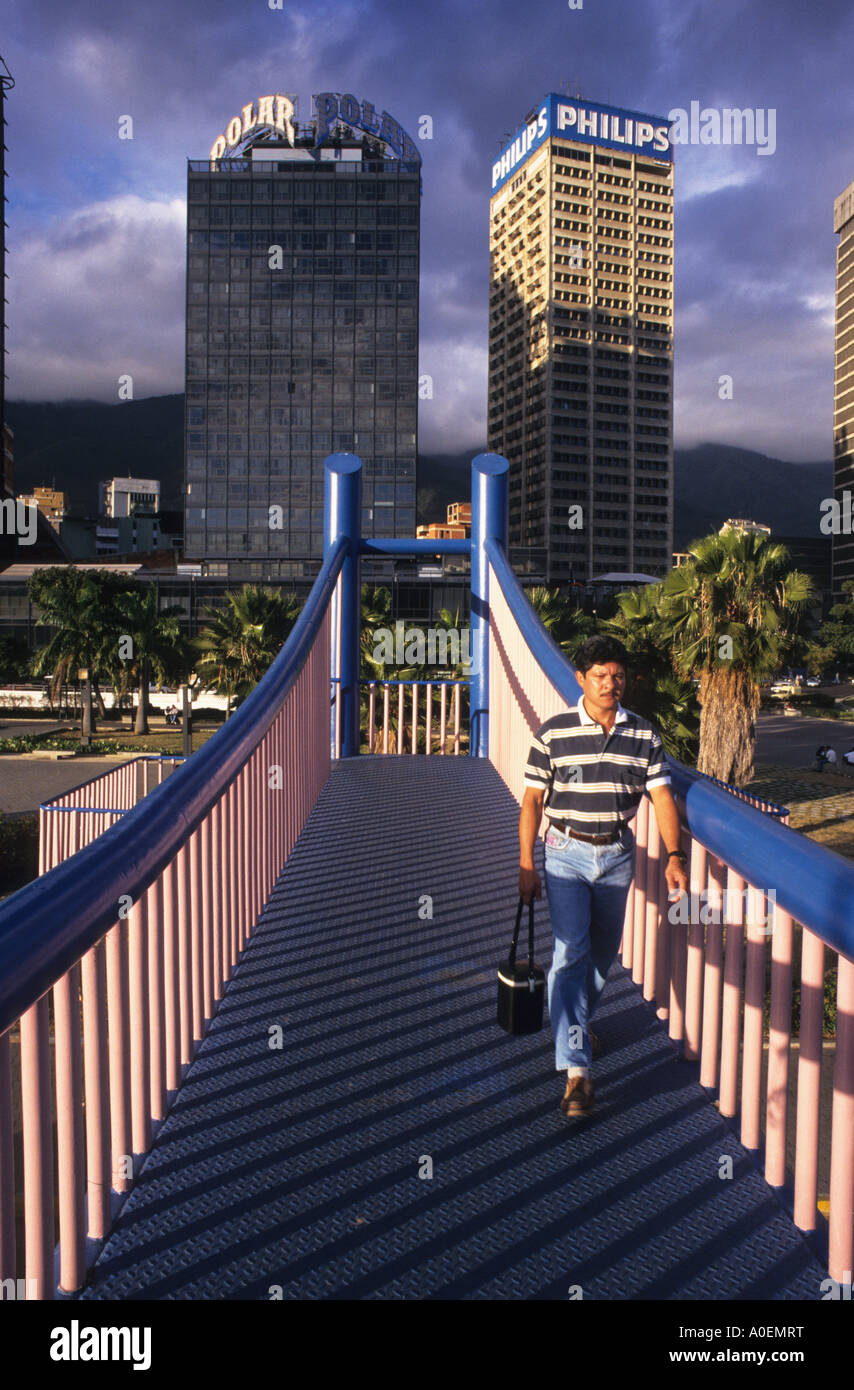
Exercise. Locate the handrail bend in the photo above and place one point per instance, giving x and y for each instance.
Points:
(818, 887)
(52, 922)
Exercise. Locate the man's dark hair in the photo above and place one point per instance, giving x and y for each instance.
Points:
(598, 651)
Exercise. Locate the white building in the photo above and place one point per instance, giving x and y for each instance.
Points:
(124, 496)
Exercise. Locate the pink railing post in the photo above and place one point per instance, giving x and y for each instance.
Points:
(456, 721)
(386, 692)
(156, 1001)
(69, 1130)
(733, 970)
(185, 955)
(638, 934)
(777, 1102)
(754, 1003)
(96, 1076)
(119, 1055)
(372, 700)
(696, 952)
(428, 737)
(414, 717)
(841, 1254)
(139, 1035)
(400, 719)
(651, 925)
(809, 1081)
(38, 1149)
(7, 1164)
(443, 725)
(712, 979)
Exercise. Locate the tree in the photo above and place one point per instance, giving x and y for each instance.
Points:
(729, 614)
(654, 689)
(76, 605)
(148, 642)
(243, 639)
(566, 623)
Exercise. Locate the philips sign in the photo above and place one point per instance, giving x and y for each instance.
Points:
(592, 125)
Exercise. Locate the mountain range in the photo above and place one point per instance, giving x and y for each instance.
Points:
(78, 444)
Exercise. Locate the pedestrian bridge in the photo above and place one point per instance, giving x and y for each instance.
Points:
(247, 1015)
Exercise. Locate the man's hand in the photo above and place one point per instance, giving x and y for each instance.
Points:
(529, 823)
(529, 885)
(677, 879)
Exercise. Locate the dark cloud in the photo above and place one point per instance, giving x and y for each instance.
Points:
(755, 247)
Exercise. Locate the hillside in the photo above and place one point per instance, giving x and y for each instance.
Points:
(79, 443)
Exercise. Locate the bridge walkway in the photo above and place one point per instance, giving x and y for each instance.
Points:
(293, 1171)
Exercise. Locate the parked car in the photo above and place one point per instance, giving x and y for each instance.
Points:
(813, 682)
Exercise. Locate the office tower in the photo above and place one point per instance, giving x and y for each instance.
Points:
(581, 337)
(7, 82)
(843, 388)
(302, 331)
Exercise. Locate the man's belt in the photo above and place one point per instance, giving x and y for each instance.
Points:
(610, 839)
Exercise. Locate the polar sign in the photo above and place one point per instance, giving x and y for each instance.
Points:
(592, 125)
(276, 114)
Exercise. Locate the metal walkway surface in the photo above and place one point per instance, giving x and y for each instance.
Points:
(294, 1172)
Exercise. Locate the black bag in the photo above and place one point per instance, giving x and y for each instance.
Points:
(522, 985)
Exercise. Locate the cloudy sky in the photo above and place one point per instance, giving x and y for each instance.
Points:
(97, 224)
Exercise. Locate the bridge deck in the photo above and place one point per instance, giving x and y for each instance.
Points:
(299, 1167)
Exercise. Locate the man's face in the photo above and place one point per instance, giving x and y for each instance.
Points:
(603, 684)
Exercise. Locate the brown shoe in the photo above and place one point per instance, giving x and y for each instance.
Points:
(595, 1045)
(578, 1098)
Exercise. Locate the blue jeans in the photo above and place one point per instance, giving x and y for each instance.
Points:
(587, 887)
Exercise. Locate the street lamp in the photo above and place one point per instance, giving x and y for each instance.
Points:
(86, 713)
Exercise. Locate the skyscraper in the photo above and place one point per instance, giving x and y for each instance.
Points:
(843, 386)
(302, 330)
(581, 336)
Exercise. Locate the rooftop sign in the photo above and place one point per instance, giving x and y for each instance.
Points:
(589, 123)
(275, 114)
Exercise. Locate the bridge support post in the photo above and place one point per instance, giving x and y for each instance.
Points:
(342, 507)
(489, 492)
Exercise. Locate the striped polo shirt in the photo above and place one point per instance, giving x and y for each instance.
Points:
(595, 780)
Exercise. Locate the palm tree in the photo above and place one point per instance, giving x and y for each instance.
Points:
(243, 639)
(155, 646)
(75, 604)
(654, 689)
(730, 614)
(566, 623)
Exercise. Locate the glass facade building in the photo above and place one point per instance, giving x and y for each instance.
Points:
(302, 340)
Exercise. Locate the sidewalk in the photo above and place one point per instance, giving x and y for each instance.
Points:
(821, 803)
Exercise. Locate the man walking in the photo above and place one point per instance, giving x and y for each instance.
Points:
(588, 769)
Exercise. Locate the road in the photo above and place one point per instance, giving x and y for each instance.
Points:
(791, 740)
(25, 782)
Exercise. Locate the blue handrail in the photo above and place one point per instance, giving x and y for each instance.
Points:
(818, 889)
(52, 922)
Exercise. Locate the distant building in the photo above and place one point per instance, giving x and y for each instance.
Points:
(457, 526)
(7, 464)
(124, 496)
(843, 382)
(581, 336)
(459, 514)
(302, 331)
(744, 524)
(52, 504)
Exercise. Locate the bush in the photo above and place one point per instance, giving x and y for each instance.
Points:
(19, 851)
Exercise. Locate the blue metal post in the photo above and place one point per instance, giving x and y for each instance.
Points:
(342, 516)
(489, 492)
